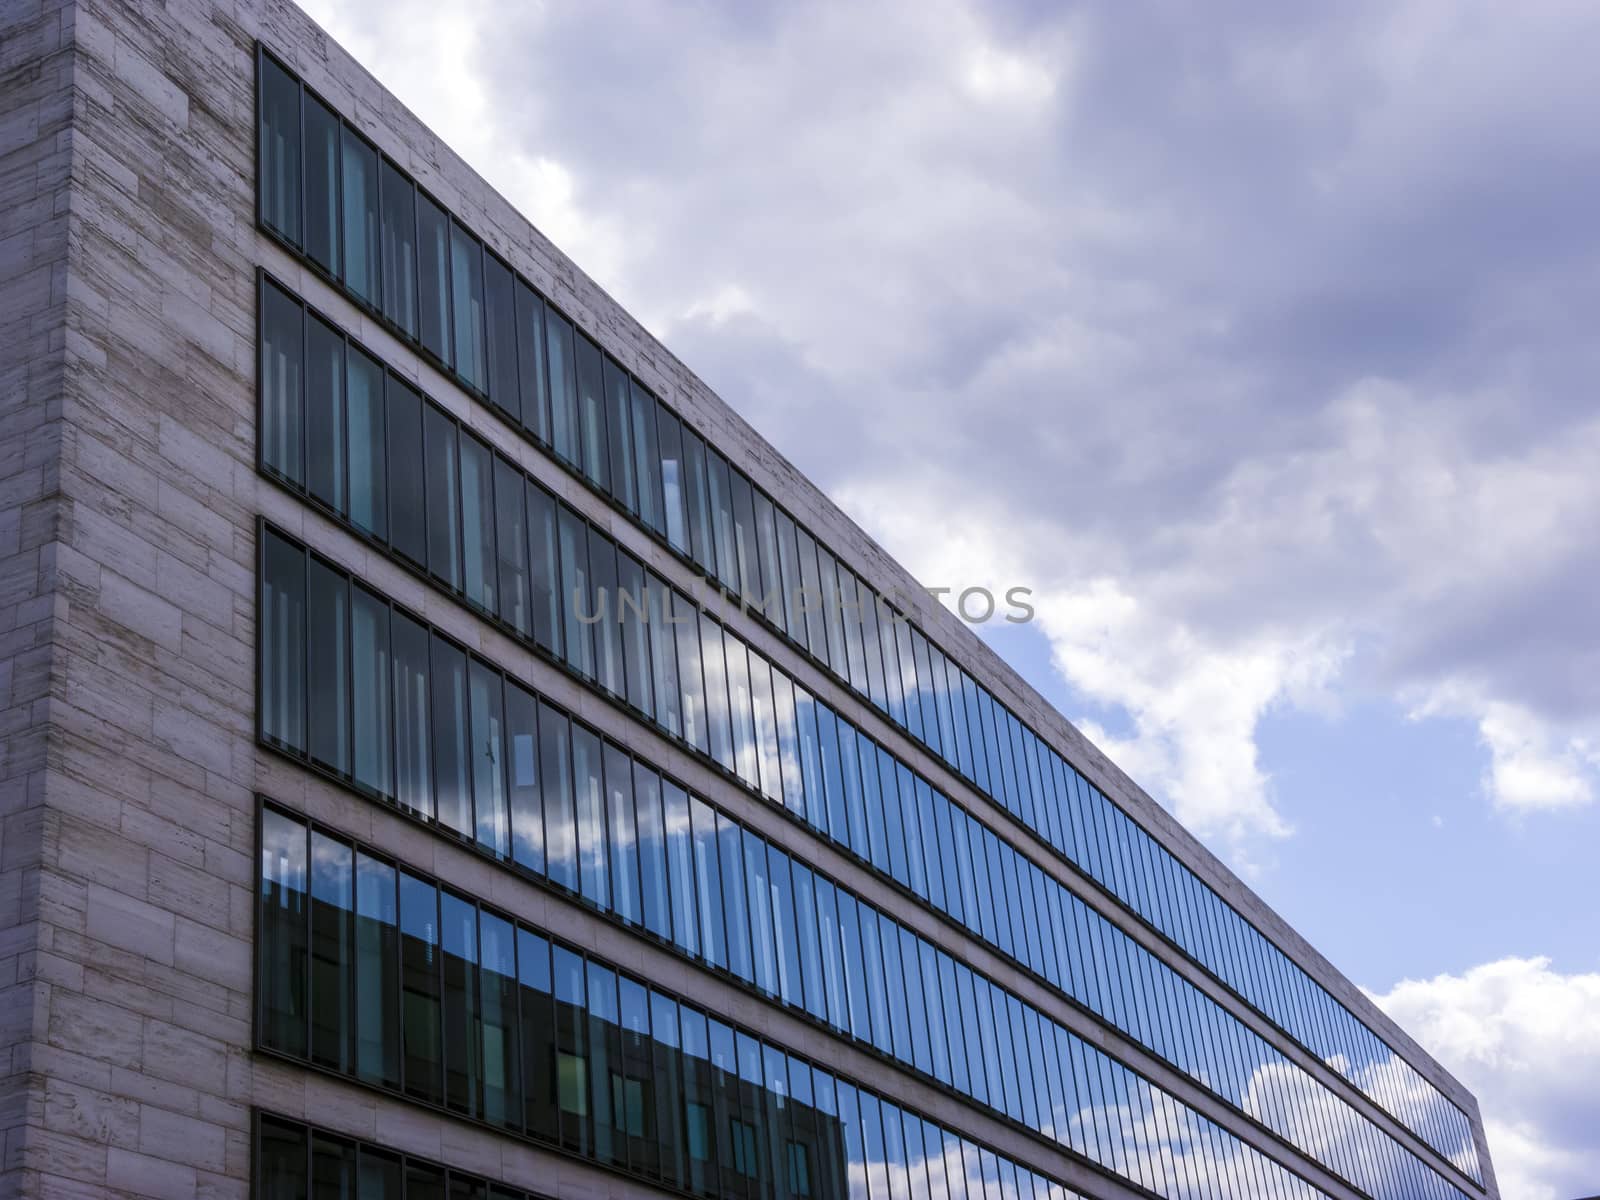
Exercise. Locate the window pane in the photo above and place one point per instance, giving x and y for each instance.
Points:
(535, 404)
(420, 989)
(466, 289)
(452, 795)
(360, 217)
(744, 537)
(708, 883)
(538, 1035)
(624, 838)
(578, 635)
(522, 760)
(630, 609)
(619, 443)
(322, 185)
(742, 709)
(279, 169)
(697, 501)
(807, 951)
(369, 660)
(282, 388)
(786, 937)
(594, 873)
(663, 694)
(328, 667)
(680, 615)
(730, 844)
(563, 386)
(462, 1045)
(646, 456)
(721, 502)
(560, 831)
(511, 537)
(502, 1101)
(283, 643)
(413, 738)
(282, 943)
(595, 458)
(364, 405)
(325, 419)
(545, 567)
(676, 513)
(377, 967)
(281, 1162)
(433, 268)
(477, 522)
(501, 328)
(399, 249)
(599, 606)
(488, 760)
(332, 903)
(655, 904)
(764, 965)
(681, 867)
(719, 730)
(444, 492)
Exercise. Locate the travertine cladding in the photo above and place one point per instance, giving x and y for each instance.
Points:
(128, 495)
(35, 110)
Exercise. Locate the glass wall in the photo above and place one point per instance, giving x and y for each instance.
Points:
(449, 296)
(589, 825)
(503, 1024)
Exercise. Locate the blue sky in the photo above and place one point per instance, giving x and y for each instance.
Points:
(1257, 339)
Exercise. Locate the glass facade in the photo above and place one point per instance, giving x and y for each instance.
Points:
(369, 694)
(497, 1021)
(578, 825)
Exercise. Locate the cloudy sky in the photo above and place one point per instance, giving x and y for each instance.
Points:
(1258, 339)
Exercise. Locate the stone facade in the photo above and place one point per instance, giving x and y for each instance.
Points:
(129, 495)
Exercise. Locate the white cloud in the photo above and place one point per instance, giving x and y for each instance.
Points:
(1525, 1040)
(1264, 366)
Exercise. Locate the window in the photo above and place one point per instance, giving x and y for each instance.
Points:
(742, 1138)
(511, 538)
(369, 672)
(377, 948)
(618, 416)
(365, 403)
(444, 492)
(624, 836)
(322, 173)
(420, 989)
(282, 941)
(282, 638)
(413, 738)
(282, 390)
(359, 181)
(452, 789)
(399, 240)
(535, 403)
(325, 419)
(593, 458)
(466, 281)
(563, 386)
(500, 326)
(646, 455)
(477, 519)
(327, 667)
(628, 1105)
(675, 512)
(278, 167)
(489, 760)
(433, 269)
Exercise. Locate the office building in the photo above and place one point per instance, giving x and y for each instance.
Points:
(448, 753)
